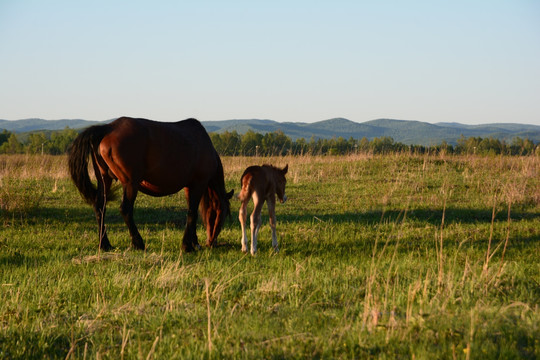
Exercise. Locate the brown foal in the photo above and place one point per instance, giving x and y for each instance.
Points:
(262, 183)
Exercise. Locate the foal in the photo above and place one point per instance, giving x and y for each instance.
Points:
(262, 183)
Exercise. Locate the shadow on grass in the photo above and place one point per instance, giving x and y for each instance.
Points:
(24, 344)
(144, 215)
(177, 216)
(158, 218)
(14, 258)
(432, 217)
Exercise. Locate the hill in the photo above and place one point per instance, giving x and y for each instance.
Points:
(28, 125)
(405, 131)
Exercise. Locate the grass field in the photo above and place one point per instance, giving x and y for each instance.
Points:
(381, 257)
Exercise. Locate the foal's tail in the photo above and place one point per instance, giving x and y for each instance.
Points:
(245, 184)
(83, 146)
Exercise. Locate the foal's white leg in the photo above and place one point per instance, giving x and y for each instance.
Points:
(254, 231)
(272, 216)
(242, 216)
(255, 222)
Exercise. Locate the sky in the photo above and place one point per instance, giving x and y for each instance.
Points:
(472, 62)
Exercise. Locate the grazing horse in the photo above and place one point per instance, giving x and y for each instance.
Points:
(262, 183)
(156, 159)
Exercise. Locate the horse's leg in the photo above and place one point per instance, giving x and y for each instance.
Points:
(190, 242)
(104, 182)
(126, 208)
(242, 216)
(271, 201)
(255, 225)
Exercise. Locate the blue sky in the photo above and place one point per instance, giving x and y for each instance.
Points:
(472, 62)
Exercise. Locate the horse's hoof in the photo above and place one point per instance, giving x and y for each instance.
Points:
(104, 244)
(106, 247)
(188, 248)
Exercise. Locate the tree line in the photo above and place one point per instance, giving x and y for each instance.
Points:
(40, 142)
(277, 143)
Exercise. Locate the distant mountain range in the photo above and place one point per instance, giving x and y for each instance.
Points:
(29, 125)
(405, 131)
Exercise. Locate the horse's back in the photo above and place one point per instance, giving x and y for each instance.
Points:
(188, 127)
(165, 137)
(164, 156)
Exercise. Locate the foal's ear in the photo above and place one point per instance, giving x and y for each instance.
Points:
(285, 169)
(230, 194)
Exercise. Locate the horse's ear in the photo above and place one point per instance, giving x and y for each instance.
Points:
(230, 194)
(285, 169)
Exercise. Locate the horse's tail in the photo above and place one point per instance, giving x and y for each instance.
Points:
(83, 146)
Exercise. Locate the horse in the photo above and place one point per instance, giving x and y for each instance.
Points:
(262, 183)
(157, 159)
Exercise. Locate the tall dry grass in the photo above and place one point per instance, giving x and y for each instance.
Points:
(33, 167)
(25, 179)
(509, 178)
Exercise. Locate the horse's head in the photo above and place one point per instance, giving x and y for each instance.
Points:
(215, 209)
(226, 205)
(281, 182)
(224, 212)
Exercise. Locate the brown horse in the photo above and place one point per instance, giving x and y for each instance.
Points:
(262, 183)
(157, 159)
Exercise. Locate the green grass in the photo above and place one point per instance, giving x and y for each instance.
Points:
(380, 257)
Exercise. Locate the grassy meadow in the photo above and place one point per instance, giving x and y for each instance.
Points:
(396, 256)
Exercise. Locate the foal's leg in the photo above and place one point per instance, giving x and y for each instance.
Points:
(255, 221)
(126, 208)
(271, 201)
(242, 216)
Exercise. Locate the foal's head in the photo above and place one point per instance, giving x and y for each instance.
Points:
(279, 176)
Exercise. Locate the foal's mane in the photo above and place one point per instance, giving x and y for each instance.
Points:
(271, 167)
